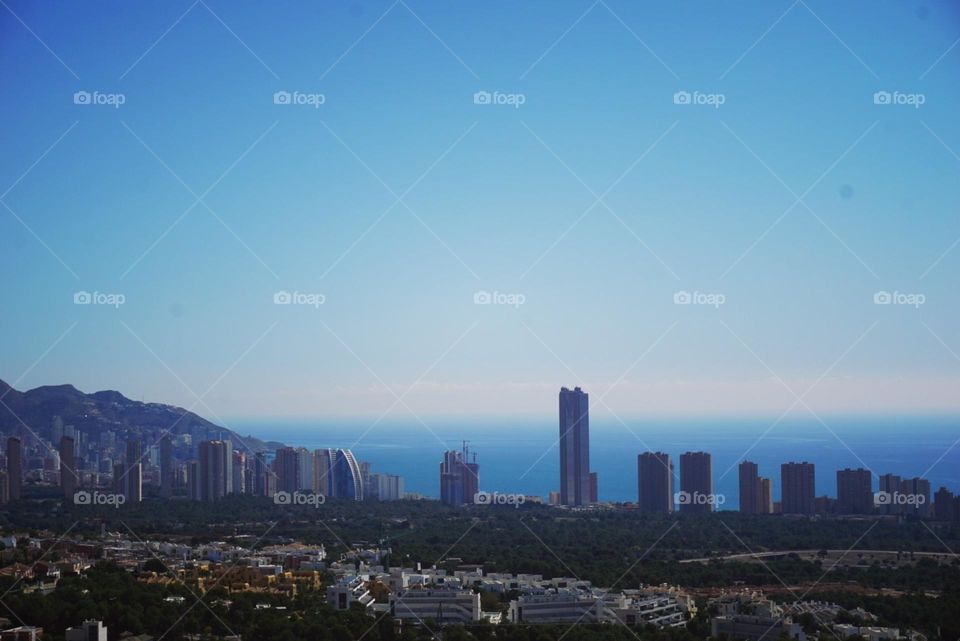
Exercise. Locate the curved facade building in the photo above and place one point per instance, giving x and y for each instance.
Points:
(337, 474)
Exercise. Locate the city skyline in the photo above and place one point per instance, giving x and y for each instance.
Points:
(210, 469)
(760, 182)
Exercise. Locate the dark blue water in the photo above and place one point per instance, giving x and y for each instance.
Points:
(521, 455)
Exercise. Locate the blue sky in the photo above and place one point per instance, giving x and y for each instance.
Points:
(493, 198)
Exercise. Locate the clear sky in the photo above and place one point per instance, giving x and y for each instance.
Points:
(784, 192)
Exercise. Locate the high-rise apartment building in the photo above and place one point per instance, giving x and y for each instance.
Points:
(797, 488)
(287, 468)
(915, 497)
(68, 468)
(886, 497)
(133, 472)
(214, 466)
(655, 483)
(238, 470)
(749, 488)
(166, 466)
(765, 503)
(14, 467)
(696, 482)
(386, 487)
(574, 447)
(337, 474)
(459, 477)
(854, 491)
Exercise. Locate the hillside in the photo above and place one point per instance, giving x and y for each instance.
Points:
(102, 411)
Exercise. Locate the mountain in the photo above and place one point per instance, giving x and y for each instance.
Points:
(107, 410)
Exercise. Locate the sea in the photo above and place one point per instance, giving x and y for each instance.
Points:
(521, 455)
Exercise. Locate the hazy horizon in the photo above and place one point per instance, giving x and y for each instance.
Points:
(419, 209)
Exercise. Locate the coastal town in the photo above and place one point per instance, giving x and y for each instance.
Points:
(418, 596)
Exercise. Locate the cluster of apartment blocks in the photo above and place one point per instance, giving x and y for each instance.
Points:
(417, 595)
(750, 616)
(217, 469)
(276, 569)
(855, 490)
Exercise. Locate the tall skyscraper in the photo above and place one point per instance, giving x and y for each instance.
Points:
(287, 467)
(655, 483)
(166, 466)
(307, 468)
(338, 474)
(238, 470)
(696, 482)
(260, 474)
(889, 488)
(459, 477)
(915, 497)
(765, 503)
(228, 444)
(68, 468)
(749, 488)
(214, 466)
(15, 467)
(323, 472)
(193, 481)
(943, 504)
(347, 481)
(133, 472)
(854, 491)
(574, 447)
(797, 488)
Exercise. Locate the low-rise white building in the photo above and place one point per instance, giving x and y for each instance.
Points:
(871, 633)
(347, 591)
(442, 605)
(756, 628)
(90, 630)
